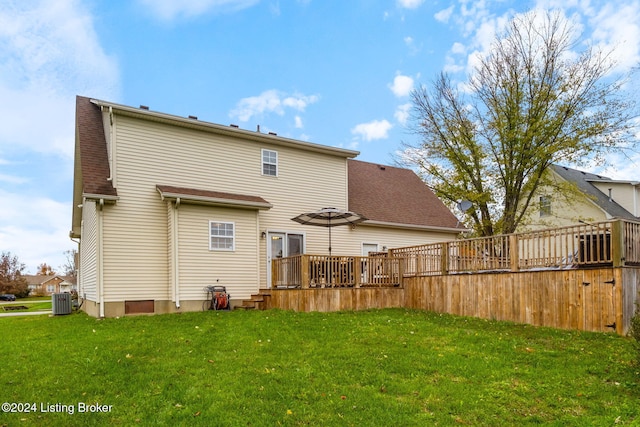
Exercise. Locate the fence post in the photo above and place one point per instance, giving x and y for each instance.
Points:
(357, 271)
(617, 243)
(514, 252)
(444, 258)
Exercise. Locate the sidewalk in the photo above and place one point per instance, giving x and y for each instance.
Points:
(23, 313)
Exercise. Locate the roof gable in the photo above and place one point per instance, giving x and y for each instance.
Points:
(583, 180)
(393, 195)
(92, 149)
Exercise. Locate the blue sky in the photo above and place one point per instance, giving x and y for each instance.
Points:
(330, 72)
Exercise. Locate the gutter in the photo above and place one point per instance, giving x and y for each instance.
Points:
(221, 129)
(374, 223)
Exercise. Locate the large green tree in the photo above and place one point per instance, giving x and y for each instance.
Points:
(531, 102)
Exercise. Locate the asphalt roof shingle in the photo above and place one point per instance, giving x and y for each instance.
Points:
(395, 195)
(92, 149)
(583, 181)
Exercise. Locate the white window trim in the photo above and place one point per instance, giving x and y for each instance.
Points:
(233, 237)
(545, 206)
(262, 162)
(363, 244)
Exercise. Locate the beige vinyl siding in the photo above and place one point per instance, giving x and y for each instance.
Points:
(622, 193)
(563, 212)
(199, 266)
(88, 252)
(395, 238)
(149, 153)
(135, 247)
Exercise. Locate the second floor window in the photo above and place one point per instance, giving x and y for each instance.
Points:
(269, 162)
(545, 206)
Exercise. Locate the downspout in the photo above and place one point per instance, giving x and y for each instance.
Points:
(176, 257)
(101, 258)
(258, 246)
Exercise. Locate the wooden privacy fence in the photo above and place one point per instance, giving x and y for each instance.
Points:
(584, 277)
(598, 299)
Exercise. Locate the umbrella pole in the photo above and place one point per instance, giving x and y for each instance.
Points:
(330, 260)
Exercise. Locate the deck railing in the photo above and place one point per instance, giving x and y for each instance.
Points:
(610, 243)
(615, 243)
(319, 271)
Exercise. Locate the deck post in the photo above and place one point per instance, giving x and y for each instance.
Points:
(357, 271)
(444, 258)
(304, 272)
(274, 273)
(617, 243)
(514, 252)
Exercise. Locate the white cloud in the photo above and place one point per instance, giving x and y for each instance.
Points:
(617, 29)
(402, 113)
(271, 101)
(409, 4)
(376, 129)
(402, 85)
(12, 179)
(50, 53)
(169, 10)
(298, 122)
(458, 48)
(444, 15)
(41, 236)
(608, 25)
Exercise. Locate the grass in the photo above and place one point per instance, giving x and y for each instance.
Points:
(381, 367)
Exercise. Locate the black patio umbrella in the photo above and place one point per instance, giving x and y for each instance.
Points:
(329, 217)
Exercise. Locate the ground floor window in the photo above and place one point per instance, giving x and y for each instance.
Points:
(221, 236)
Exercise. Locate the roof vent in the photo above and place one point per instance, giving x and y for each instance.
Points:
(273, 133)
(382, 167)
(234, 126)
(144, 107)
(193, 117)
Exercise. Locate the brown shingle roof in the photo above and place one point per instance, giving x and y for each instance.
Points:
(213, 196)
(92, 149)
(395, 195)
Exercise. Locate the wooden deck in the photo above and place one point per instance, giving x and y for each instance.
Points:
(584, 277)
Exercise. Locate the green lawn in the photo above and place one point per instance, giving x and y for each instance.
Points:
(377, 368)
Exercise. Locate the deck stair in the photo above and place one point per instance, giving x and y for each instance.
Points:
(257, 301)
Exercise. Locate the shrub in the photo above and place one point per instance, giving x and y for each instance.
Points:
(635, 329)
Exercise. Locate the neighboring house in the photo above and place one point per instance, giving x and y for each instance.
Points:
(47, 285)
(573, 196)
(164, 206)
